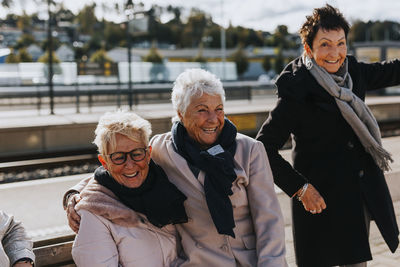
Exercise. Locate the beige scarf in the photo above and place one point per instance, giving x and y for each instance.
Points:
(354, 110)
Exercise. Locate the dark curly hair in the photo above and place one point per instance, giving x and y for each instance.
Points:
(327, 18)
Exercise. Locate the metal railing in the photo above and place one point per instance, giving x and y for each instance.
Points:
(112, 94)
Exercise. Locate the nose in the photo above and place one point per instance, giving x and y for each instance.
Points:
(334, 51)
(129, 163)
(212, 116)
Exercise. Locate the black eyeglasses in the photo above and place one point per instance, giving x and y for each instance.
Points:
(119, 158)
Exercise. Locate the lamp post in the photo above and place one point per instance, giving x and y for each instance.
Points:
(50, 60)
(223, 41)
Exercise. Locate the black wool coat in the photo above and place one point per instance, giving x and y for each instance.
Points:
(328, 154)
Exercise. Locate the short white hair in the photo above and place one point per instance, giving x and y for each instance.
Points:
(193, 83)
(126, 123)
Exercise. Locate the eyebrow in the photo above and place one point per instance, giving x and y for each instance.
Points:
(323, 38)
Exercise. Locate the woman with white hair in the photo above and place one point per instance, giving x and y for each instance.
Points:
(234, 215)
(128, 207)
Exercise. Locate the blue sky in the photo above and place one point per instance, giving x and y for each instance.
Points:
(257, 14)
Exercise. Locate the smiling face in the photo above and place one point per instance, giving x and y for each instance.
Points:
(329, 49)
(204, 119)
(131, 173)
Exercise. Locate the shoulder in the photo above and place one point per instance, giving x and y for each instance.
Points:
(246, 144)
(290, 82)
(160, 139)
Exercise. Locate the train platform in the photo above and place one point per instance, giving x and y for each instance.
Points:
(38, 205)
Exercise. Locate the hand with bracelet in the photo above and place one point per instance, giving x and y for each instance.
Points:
(311, 199)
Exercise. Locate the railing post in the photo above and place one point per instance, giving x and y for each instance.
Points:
(77, 97)
(39, 99)
(90, 99)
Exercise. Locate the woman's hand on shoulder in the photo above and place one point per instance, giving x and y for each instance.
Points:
(313, 201)
(73, 217)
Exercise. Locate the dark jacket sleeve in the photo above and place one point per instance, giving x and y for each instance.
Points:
(378, 75)
(273, 134)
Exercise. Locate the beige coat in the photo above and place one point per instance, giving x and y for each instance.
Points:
(260, 238)
(112, 234)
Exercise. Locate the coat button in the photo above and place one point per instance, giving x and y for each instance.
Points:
(350, 145)
(361, 173)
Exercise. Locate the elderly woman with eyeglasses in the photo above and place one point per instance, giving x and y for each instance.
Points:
(128, 207)
(234, 215)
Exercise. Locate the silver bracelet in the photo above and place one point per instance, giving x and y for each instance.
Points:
(302, 192)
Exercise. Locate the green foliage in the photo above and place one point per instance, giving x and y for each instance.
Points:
(100, 56)
(199, 57)
(279, 62)
(241, 60)
(113, 35)
(86, 19)
(24, 41)
(266, 63)
(24, 56)
(24, 22)
(153, 56)
(194, 29)
(45, 58)
(12, 58)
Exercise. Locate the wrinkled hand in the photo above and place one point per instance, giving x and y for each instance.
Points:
(73, 217)
(313, 201)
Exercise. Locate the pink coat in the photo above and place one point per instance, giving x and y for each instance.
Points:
(112, 234)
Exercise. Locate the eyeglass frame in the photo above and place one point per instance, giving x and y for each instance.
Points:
(130, 155)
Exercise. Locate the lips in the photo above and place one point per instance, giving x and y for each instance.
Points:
(133, 175)
(210, 130)
(332, 62)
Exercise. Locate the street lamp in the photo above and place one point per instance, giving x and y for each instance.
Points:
(135, 27)
(223, 41)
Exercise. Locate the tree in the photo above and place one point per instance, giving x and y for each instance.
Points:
(45, 58)
(100, 56)
(279, 62)
(241, 60)
(266, 63)
(24, 41)
(194, 29)
(153, 56)
(24, 22)
(199, 57)
(86, 19)
(24, 56)
(12, 58)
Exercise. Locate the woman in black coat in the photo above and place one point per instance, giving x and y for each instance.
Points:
(338, 160)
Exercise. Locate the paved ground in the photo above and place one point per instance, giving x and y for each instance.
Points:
(382, 257)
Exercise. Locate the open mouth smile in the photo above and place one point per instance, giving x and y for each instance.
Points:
(332, 61)
(210, 130)
(133, 175)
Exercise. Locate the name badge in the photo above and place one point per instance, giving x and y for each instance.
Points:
(215, 150)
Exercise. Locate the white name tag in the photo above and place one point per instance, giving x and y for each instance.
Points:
(215, 150)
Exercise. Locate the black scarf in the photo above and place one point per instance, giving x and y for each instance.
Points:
(157, 197)
(218, 165)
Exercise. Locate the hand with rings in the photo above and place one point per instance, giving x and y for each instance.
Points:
(313, 201)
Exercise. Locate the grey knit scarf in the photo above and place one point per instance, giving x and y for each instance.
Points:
(354, 110)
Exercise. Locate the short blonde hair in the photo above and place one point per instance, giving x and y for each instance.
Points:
(194, 83)
(126, 123)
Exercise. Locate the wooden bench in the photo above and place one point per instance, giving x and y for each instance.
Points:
(54, 251)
